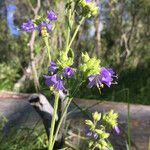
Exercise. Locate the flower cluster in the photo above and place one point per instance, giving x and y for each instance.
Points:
(110, 118)
(40, 23)
(53, 80)
(96, 133)
(89, 8)
(89, 65)
(97, 76)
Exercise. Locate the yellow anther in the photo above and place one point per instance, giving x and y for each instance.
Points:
(102, 85)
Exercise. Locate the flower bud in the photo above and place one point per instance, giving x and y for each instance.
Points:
(96, 116)
(85, 57)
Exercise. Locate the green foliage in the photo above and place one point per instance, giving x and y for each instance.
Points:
(24, 140)
(8, 75)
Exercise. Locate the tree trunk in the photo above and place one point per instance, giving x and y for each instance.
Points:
(97, 36)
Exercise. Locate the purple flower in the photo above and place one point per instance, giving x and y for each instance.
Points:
(68, 72)
(95, 136)
(116, 129)
(110, 71)
(54, 81)
(28, 26)
(50, 80)
(94, 80)
(47, 25)
(51, 15)
(59, 85)
(106, 76)
(91, 134)
(88, 1)
(53, 67)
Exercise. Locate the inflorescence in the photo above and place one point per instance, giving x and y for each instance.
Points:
(40, 23)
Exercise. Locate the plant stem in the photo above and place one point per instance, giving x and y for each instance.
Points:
(94, 147)
(129, 133)
(50, 146)
(75, 33)
(48, 47)
(61, 120)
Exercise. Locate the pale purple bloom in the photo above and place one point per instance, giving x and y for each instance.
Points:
(68, 72)
(116, 129)
(28, 26)
(47, 25)
(95, 136)
(50, 80)
(59, 85)
(88, 1)
(110, 71)
(106, 76)
(53, 67)
(54, 81)
(51, 15)
(91, 134)
(94, 80)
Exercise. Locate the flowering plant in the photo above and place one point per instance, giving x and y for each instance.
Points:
(62, 70)
(99, 127)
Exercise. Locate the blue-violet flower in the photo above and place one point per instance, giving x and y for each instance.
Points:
(53, 81)
(28, 26)
(47, 25)
(106, 76)
(94, 80)
(116, 129)
(53, 67)
(51, 15)
(88, 1)
(68, 72)
(92, 135)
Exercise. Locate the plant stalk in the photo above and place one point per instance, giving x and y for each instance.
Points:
(61, 120)
(50, 146)
(76, 31)
(48, 47)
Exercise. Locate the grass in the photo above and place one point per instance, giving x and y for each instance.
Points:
(23, 139)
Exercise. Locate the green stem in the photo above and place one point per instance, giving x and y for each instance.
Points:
(129, 133)
(75, 33)
(50, 147)
(94, 147)
(61, 120)
(48, 47)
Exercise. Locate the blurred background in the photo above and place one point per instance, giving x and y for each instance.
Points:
(119, 35)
